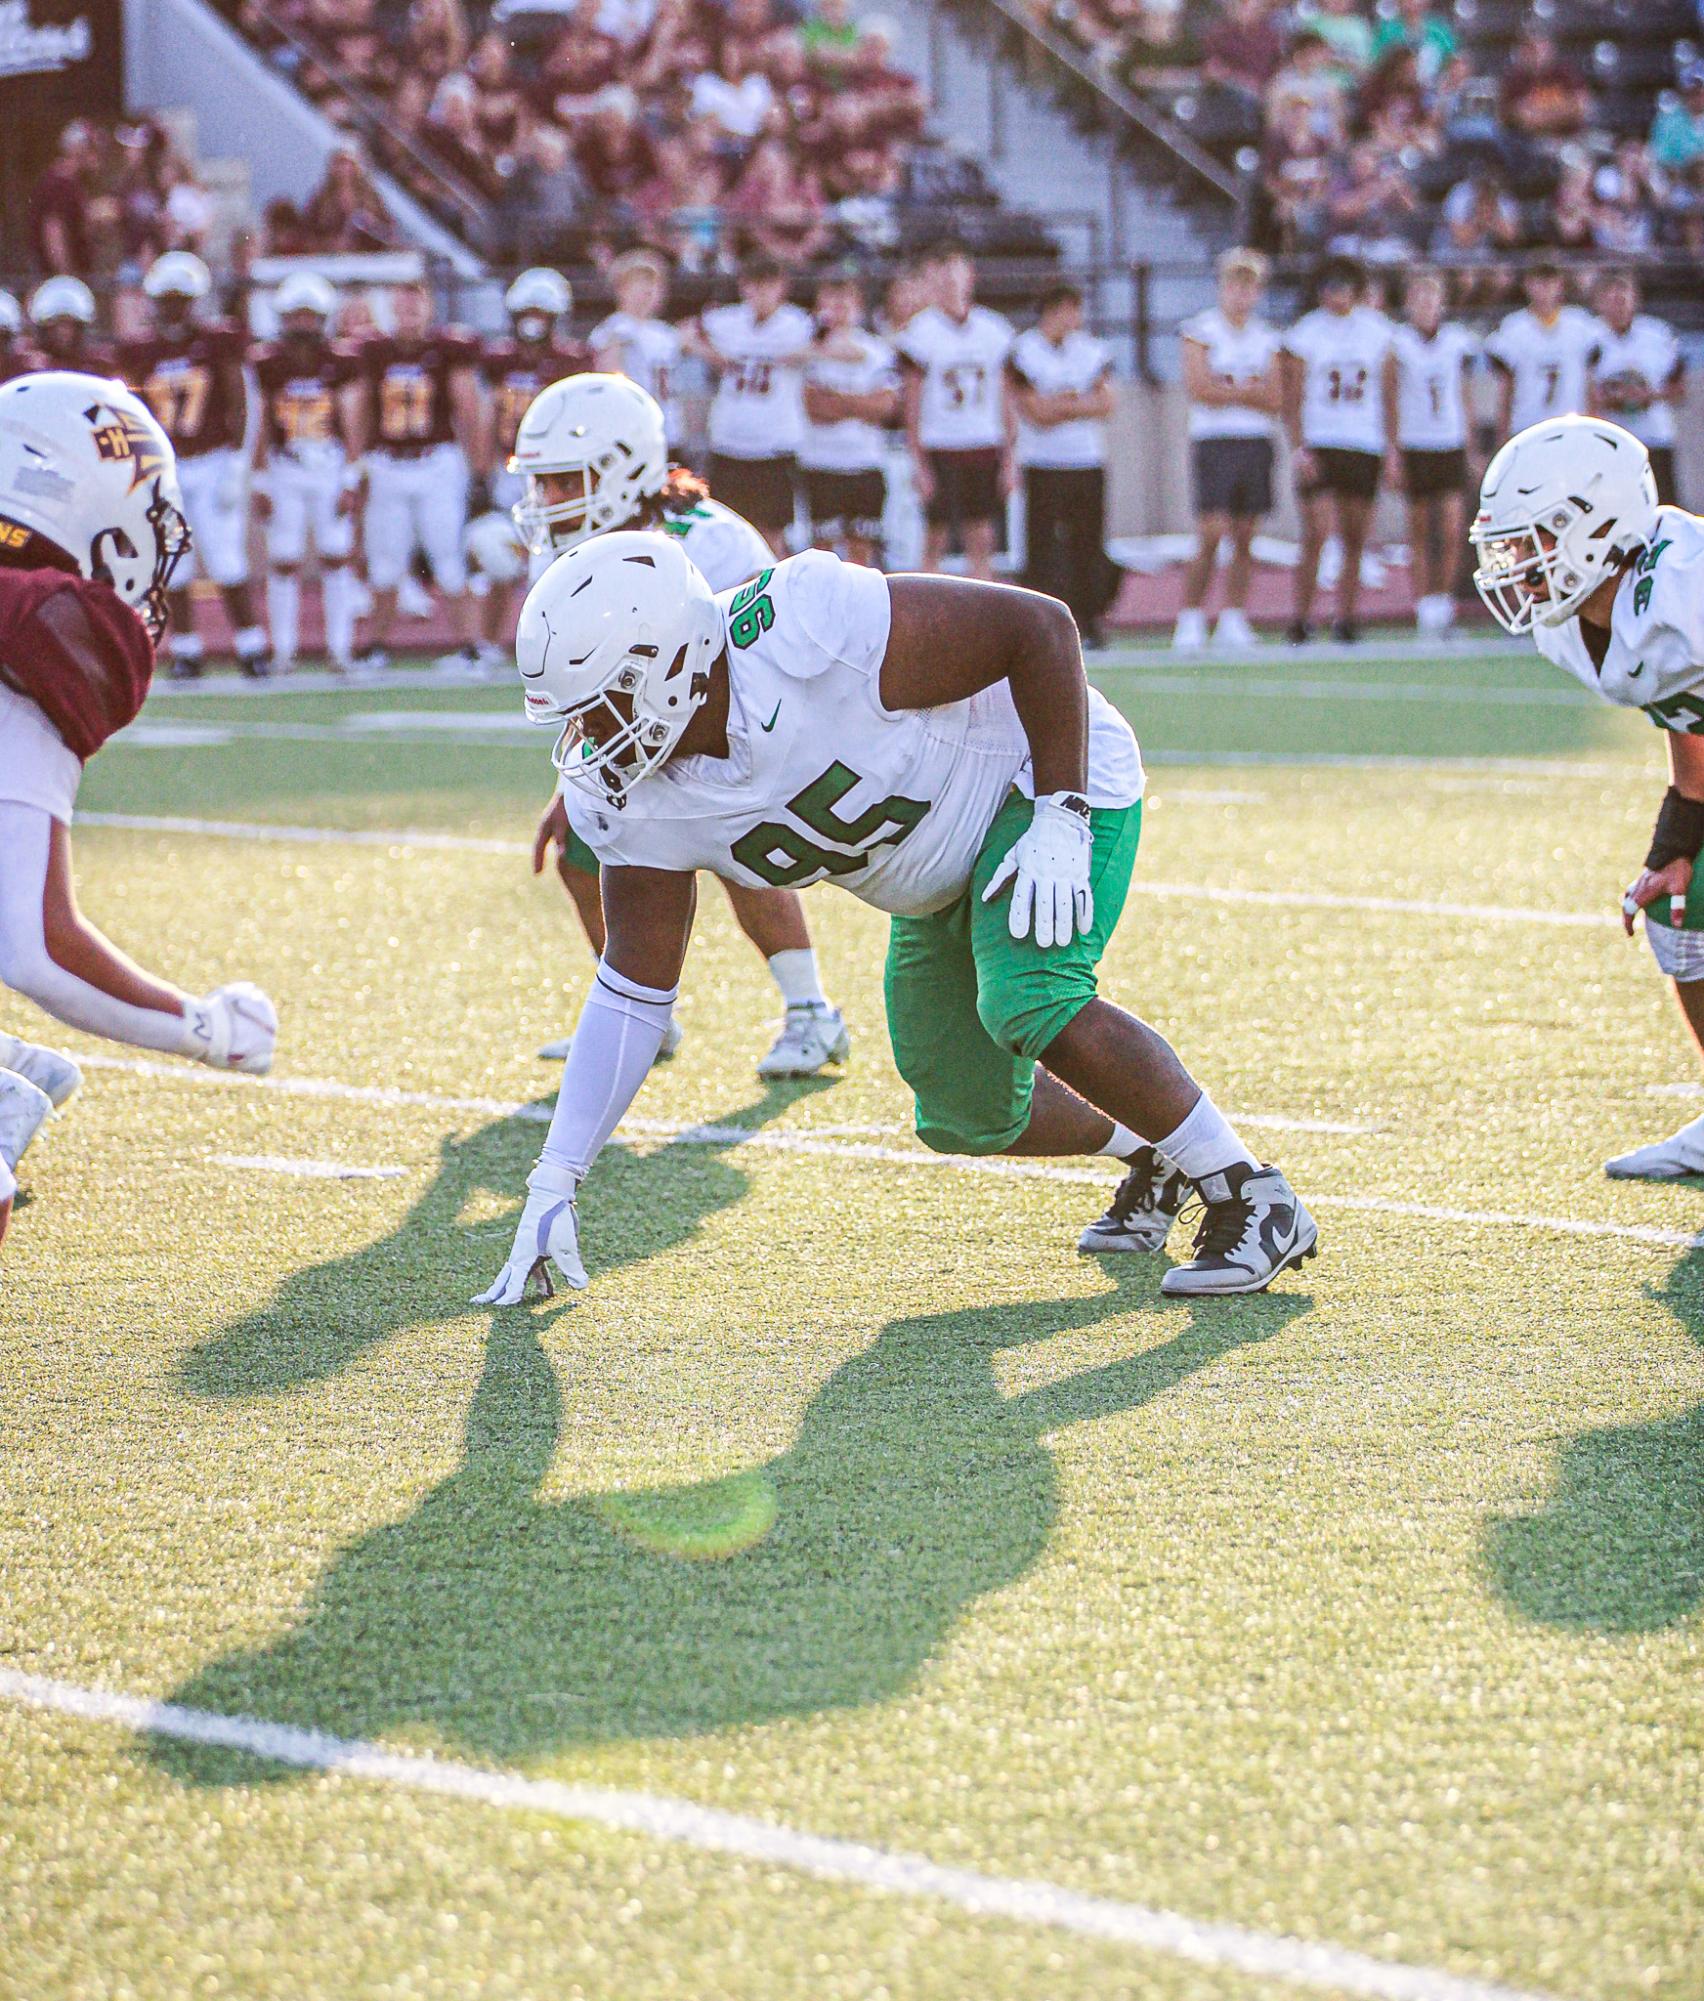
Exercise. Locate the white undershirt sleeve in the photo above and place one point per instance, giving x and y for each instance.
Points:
(619, 1033)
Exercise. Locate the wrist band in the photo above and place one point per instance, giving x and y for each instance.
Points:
(1679, 832)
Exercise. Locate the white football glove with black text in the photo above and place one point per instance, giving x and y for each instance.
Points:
(234, 1028)
(548, 1232)
(1048, 868)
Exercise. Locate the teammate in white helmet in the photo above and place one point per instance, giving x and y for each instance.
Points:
(933, 746)
(91, 534)
(593, 456)
(62, 323)
(1574, 549)
(17, 357)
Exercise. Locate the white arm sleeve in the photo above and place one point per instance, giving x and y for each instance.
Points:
(29, 968)
(616, 1042)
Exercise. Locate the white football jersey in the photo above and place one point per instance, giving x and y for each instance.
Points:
(1647, 349)
(1342, 357)
(1239, 356)
(757, 412)
(1546, 363)
(853, 444)
(1655, 659)
(1431, 410)
(647, 352)
(821, 782)
(963, 364)
(1077, 364)
(723, 546)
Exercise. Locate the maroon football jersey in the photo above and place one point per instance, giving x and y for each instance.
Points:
(17, 358)
(409, 405)
(185, 379)
(77, 650)
(299, 383)
(515, 371)
(88, 357)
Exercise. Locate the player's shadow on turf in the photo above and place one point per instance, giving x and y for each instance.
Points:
(323, 1318)
(512, 1625)
(1619, 1546)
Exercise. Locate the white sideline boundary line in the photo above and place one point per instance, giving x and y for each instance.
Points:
(309, 1170)
(398, 840)
(1152, 681)
(677, 1134)
(828, 1858)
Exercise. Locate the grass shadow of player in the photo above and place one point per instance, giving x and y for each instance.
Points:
(324, 1317)
(512, 1625)
(1619, 1545)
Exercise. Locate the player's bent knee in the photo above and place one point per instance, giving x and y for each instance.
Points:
(957, 1139)
(1028, 1019)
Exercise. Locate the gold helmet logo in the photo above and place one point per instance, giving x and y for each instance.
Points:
(119, 434)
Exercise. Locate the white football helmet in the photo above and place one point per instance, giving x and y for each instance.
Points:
(615, 645)
(305, 292)
(62, 299)
(492, 548)
(602, 431)
(11, 316)
(1560, 506)
(539, 291)
(84, 465)
(179, 274)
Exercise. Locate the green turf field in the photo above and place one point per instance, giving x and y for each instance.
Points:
(849, 1500)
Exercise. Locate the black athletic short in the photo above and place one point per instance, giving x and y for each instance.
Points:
(845, 503)
(967, 488)
(1662, 470)
(1232, 476)
(1350, 474)
(760, 489)
(1427, 474)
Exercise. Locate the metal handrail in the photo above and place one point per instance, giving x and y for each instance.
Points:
(1152, 124)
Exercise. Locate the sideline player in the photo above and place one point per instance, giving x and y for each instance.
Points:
(958, 415)
(536, 353)
(91, 531)
(1541, 352)
(635, 340)
(851, 395)
(1334, 360)
(1231, 376)
(937, 750)
(1574, 549)
(62, 327)
(304, 478)
(1426, 419)
(189, 372)
(1636, 375)
(418, 428)
(757, 349)
(593, 453)
(17, 357)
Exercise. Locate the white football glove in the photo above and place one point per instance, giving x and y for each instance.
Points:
(234, 1028)
(549, 1230)
(1048, 868)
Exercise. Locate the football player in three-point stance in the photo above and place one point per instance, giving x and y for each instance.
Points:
(932, 745)
(593, 455)
(189, 372)
(91, 533)
(1574, 549)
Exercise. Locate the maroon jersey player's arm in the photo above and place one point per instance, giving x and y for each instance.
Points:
(467, 404)
(355, 393)
(233, 384)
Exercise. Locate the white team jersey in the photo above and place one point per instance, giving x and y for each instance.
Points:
(1547, 363)
(724, 547)
(1431, 411)
(1239, 356)
(963, 366)
(1342, 357)
(648, 352)
(820, 781)
(1655, 658)
(853, 444)
(1649, 350)
(37, 766)
(1077, 364)
(757, 412)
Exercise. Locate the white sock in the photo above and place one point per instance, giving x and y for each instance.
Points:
(1205, 1142)
(1122, 1144)
(186, 645)
(795, 973)
(283, 608)
(338, 587)
(251, 642)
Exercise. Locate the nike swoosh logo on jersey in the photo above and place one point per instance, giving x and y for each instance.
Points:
(768, 726)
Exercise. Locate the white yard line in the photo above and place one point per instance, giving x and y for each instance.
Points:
(309, 1170)
(401, 839)
(1277, 689)
(771, 1140)
(828, 1858)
